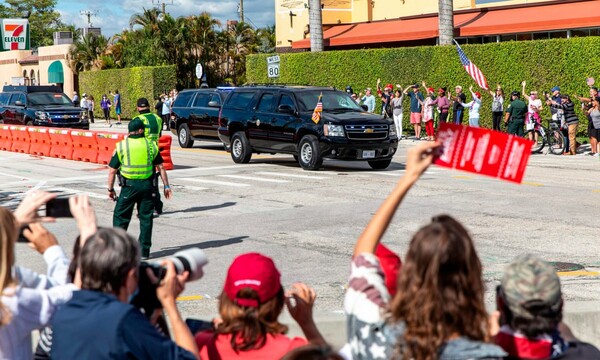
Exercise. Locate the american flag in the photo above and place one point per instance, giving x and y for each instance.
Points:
(316, 116)
(471, 68)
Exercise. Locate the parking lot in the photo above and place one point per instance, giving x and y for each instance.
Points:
(308, 220)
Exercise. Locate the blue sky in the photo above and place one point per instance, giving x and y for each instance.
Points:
(113, 15)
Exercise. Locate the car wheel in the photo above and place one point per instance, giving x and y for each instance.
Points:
(240, 148)
(184, 136)
(380, 164)
(309, 153)
(29, 123)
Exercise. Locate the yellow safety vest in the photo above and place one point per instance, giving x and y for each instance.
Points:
(136, 156)
(153, 126)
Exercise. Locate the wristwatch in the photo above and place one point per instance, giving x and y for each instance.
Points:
(111, 190)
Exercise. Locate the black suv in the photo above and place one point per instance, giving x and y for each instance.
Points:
(40, 105)
(270, 119)
(195, 115)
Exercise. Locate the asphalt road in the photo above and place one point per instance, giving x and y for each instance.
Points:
(308, 221)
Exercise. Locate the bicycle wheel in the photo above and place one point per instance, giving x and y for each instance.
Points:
(556, 142)
(537, 145)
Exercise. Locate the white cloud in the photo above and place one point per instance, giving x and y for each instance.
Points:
(113, 15)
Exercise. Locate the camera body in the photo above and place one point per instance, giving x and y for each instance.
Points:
(191, 260)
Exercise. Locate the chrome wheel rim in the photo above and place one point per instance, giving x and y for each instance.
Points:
(306, 153)
(236, 148)
(182, 136)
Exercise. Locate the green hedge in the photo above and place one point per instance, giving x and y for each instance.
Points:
(132, 83)
(542, 63)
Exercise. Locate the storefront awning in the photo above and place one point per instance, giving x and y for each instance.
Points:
(55, 73)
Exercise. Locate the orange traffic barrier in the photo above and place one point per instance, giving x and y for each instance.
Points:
(20, 139)
(5, 137)
(106, 145)
(39, 141)
(164, 146)
(85, 146)
(61, 143)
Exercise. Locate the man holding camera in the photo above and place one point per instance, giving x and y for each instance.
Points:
(135, 159)
(99, 323)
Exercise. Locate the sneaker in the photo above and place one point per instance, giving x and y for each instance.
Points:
(109, 125)
(156, 214)
(118, 123)
(145, 257)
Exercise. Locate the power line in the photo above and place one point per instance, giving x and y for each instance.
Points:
(89, 14)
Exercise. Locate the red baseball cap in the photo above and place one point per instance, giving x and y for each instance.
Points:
(430, 89)
(390, 264)
(254, 271)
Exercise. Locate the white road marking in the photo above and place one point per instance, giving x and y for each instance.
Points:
(18, 177)
(68, 191)
(290, 175)
(189, 187)
(224, 183)
(251, 178)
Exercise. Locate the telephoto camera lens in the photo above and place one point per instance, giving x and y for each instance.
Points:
(191, 260)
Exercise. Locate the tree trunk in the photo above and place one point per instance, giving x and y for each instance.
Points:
(316, 25)
(446, 22)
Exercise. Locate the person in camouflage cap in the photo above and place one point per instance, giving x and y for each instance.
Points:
(530, 304)
(529, 285)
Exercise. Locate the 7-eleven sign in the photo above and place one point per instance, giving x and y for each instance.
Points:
(15, 34)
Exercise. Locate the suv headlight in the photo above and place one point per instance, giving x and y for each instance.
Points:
(393, 130)
(333, 130)
(42, 116)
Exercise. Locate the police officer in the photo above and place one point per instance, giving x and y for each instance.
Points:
(153, 128)
(515, 114)
(135, 158)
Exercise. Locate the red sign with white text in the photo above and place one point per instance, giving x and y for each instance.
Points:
(483, 151)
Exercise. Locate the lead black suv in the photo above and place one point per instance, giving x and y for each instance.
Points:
(40, 105)
(195, 115)
(270, 119)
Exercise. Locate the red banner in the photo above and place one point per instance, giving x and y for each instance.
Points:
(483, 151)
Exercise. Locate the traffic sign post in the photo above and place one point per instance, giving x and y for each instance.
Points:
(273, 66)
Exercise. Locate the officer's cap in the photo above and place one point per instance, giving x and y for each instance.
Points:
(142, 103)
(135, 124)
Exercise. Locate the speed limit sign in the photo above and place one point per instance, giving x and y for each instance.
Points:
(273, 70)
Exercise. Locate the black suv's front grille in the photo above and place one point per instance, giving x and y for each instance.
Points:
(65, 118)
(367, 132)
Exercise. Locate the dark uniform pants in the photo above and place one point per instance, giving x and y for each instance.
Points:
(137, 192)
(515, 127)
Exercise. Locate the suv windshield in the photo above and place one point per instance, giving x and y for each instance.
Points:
(332, 100)
(49, 99)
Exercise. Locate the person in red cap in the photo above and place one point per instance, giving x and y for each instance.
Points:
(473, 107)
(428, 113)
(386, 99)
(251, 301)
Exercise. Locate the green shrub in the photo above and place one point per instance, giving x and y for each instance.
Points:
(542, 63)
(132, 83)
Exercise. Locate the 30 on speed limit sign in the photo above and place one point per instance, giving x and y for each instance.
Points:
(273, 70)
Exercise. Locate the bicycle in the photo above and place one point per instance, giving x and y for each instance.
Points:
(551, 135)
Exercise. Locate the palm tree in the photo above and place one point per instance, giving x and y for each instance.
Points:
(148, 18)
(85, 53)
(242, 43)
(446, 22)
(266, 39)
(315, 20)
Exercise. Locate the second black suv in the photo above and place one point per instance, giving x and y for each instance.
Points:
(195, 115)
(40, 105)
(269, 119)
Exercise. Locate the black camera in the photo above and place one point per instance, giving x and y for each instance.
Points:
(190, 260)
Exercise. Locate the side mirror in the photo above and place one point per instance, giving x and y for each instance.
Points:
(365, 107)
(213, 104)
(286, 109)
(19, 103)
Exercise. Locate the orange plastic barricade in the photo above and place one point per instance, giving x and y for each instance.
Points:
(106, 145)
(164, 146)
(39, 141)
(61, 143)
(20, 139)
(5, 137)
(85, 146)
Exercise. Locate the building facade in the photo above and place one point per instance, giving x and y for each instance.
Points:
(349, 24)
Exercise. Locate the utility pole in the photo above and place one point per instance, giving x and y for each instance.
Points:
(89, 14)
(241, 9)
(163, 4)
(315, 20)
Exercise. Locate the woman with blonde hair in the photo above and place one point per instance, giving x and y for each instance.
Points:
(438, 310)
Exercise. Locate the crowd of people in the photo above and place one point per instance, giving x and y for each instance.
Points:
(520, 112)
(429, 306)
